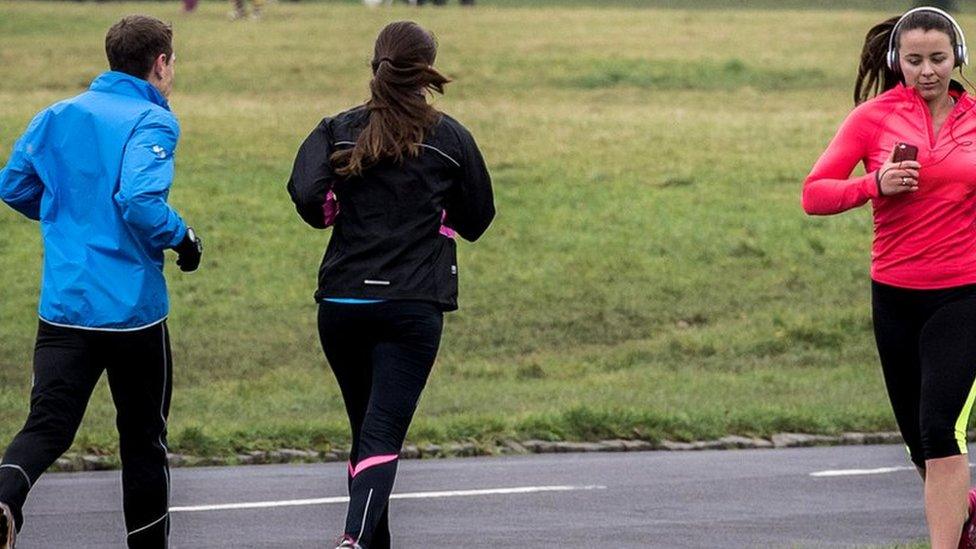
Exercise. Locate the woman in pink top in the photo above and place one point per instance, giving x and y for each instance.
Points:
(923, 266)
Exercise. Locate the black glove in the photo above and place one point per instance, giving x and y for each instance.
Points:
(190, 250)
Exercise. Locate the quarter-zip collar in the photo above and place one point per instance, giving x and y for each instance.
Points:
(128, 85)
(964, 103)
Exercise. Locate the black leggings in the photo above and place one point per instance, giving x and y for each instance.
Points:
(927, 344)
(67, 365)
(381, 355)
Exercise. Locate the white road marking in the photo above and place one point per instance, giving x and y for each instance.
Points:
(858, 472)
(413, 495)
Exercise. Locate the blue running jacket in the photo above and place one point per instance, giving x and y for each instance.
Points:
(95, 170)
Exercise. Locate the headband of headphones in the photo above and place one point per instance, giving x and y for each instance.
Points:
(961, 51)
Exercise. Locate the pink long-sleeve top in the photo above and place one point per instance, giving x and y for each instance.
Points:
(925, 239)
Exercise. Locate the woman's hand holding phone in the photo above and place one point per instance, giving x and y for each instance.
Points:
(900, 173)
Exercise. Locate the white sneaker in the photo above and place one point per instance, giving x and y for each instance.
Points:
(8, 529)
(348, 543)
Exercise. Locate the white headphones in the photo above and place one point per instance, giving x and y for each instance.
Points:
(961, 51)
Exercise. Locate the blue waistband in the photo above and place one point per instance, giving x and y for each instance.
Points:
(353, 301)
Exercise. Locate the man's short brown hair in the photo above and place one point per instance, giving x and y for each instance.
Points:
(133, 44)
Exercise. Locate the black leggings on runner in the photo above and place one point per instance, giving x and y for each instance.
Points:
(381, 355)
(927, 344)
(67, 365)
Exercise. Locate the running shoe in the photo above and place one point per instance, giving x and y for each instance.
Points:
(8, 530)
(968, 539)
(346, 543)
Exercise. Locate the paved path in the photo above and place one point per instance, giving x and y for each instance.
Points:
(748, 498)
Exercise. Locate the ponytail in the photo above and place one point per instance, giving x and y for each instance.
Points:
(873, 74)
(398, 113)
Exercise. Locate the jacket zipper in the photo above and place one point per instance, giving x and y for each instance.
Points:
(935, 138)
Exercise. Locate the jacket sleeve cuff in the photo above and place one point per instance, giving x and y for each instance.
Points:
(178, 236)
(869, 185)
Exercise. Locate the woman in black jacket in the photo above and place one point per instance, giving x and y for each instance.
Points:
(397, 180)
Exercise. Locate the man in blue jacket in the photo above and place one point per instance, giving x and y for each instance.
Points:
(95, 170)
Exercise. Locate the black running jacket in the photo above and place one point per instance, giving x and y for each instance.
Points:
(392, 236)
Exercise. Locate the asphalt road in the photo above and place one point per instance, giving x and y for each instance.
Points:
(748, 498)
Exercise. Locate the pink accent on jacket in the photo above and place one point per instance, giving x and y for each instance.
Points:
(330, 209)
(445, 230)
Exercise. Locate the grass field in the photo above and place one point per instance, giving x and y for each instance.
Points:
(650, 273)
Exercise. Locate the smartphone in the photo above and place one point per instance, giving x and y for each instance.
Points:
(904, 151)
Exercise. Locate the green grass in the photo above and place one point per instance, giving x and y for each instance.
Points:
(650, 273)
(810, 5)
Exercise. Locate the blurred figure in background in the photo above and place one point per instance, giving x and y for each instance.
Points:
(372, 3)
(189, 5)
(239, 8)
(444, 2)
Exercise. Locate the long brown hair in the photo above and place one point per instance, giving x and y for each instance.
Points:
(873, 74)
(399, 115)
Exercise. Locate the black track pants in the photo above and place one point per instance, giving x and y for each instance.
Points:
(927, 344)
(381, 355)
(67, 365)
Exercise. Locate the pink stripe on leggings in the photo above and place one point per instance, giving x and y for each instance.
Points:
(372, 462)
